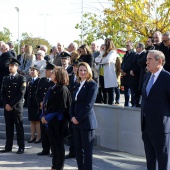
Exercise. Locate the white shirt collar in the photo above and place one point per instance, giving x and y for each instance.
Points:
(158, 72)
(34, 78)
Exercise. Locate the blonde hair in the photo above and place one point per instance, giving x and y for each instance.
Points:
(89, 71)
(29, 53)
(74, 55)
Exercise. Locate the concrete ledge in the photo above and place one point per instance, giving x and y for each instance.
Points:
(119, 128)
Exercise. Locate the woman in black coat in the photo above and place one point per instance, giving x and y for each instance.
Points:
(56, 115)
(83, 116)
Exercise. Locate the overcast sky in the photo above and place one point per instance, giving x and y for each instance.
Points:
(53, 20)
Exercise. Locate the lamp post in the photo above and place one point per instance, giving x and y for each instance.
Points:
(18, 31)
(82, 24)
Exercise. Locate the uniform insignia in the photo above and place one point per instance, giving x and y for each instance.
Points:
(24, 84)
(10, 59)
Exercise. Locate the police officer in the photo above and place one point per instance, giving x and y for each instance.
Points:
(43, 86)
(12, 91)
(33, 106)
(65, 60)
(72, 85)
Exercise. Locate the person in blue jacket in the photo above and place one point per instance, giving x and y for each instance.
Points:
(83, 116)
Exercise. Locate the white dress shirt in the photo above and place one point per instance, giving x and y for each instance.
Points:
(81, 85)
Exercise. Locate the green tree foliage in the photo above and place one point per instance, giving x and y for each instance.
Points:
(128, 20)
(34, 41)
(5, 35)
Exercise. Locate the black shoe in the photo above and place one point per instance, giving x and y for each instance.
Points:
(116, 102)
(20, 151)
(38, 141)
(70, 156)
(5, 150)
(31, 141)
(51, 155)
(43, 153)
(138, 105)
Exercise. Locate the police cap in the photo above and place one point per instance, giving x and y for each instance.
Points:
(14, 61)
(49, 66)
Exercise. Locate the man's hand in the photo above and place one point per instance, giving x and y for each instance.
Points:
(131, 73)
(74, 120)
(8, 107)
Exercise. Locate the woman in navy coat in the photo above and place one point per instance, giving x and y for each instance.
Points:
(83, 116)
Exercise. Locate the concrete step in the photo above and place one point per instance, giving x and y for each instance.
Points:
(25, 120)
(26, 128)
(26, 135)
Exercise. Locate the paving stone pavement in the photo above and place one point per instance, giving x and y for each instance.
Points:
(103, 159)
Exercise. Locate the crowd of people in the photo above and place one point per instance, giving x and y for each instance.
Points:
(60, 89)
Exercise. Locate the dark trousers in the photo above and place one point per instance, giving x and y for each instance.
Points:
(56, 131)
(45, 138)
(129, 90)
(107, 92)
(156, 146)
(83, 140)
(14, 118)
(71, 140)
(117, 93)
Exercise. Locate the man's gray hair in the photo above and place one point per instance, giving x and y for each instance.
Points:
(157, 55)
(54, 48)
(158, 32)
(44, 48)
(167, 34)
(141, 45)
(74, 45)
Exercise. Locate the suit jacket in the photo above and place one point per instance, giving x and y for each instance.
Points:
(13, 52)
(43, 86)
(88, 58)
(13, 91)
(82, 109)
(4, 68)
(72, 84)
(57, 60)
(31, 89)
(127, 66)
(156, 106)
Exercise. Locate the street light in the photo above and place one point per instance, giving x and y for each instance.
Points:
(18, 31)
(82, 24)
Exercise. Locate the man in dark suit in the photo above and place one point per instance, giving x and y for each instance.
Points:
(43, 86)
(4, 60)
(128, 79)
(11, 49)
(155, 111)
(12, 92)
(140, 49)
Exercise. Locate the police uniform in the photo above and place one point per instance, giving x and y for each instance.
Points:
(33, 106)
(43, 86)
(12, 91)
(69, 69)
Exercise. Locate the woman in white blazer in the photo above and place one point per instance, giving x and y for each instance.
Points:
(108, 78)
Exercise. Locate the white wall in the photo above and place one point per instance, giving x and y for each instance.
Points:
(119, 128)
